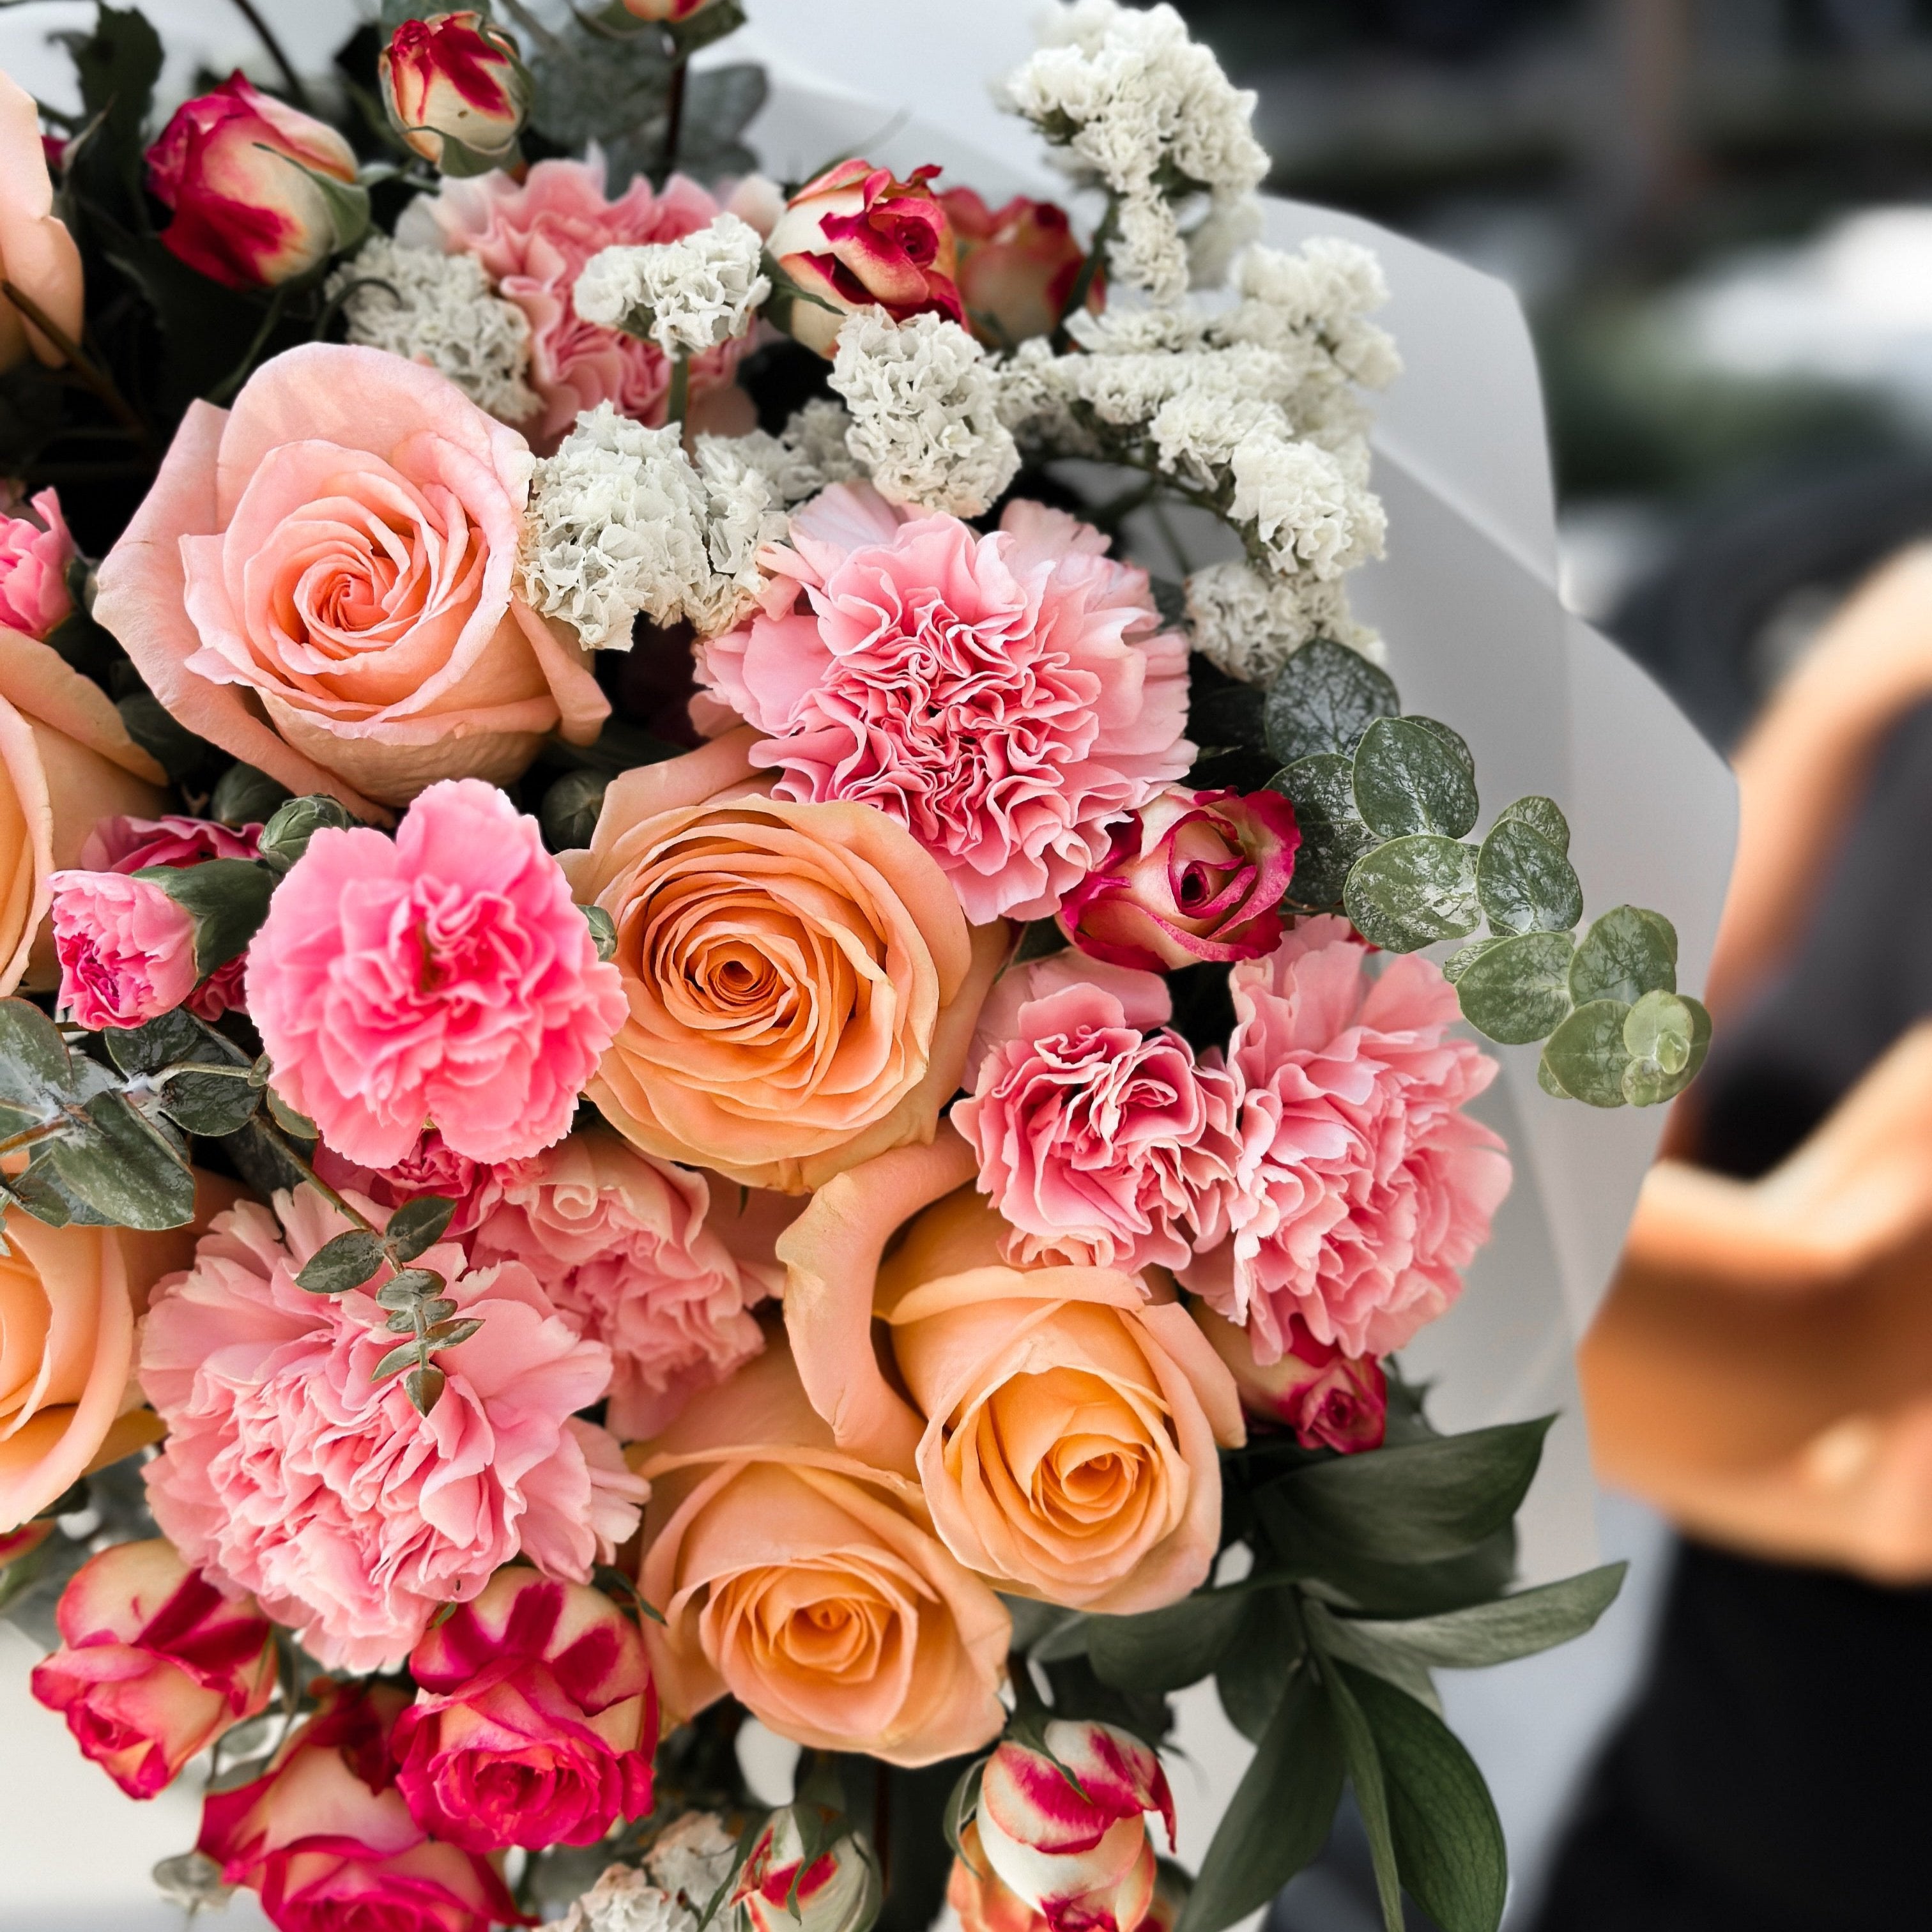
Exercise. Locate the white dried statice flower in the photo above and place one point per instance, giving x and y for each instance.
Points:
(1247, 621)
(1318, 298)
(1302, 503)
(692, 1857)
(687, 295)
(439, 310)
(744, 511)
(625, 1900)
(926, 419)
(1217, 239)
(819, 435)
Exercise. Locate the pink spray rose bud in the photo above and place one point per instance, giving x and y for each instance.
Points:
(858, 238)
(668, 12)
(455, 90)
(126, 948)
(1191, 876)
(16, 1543)
(838, 1891)
(154, 1663)
(34, 553)
(535, 1719)
(985, 1902)
(234, 166)
(1017, 265)
(1081, 1858)
(1331, 1400)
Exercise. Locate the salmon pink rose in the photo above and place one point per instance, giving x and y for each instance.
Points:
(453, 86)
(34, 553)
(1064, 1420)
(322, 582)
(154, 1663)
(807, 1582)
(857, 237)
(1017, 265)
(291, 1471)
(801, 983)
(38, 255)
(535, 1719)
(441, 976)
(1330, 1400)
(1005, 697)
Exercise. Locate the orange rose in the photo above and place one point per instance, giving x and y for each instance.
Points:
(1065, 1419)
(808, 1584)
(38, 255)
(802, 983)
(66, 762)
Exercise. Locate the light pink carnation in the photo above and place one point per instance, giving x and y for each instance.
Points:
(533, 238)
(445, 977)
(126, 950)
(432, 1166)
(290, 1472)
(127, 845)
(34, 553)
(1100, 1144)
(619, 1241)
(1363, 1188)
(1004, 697)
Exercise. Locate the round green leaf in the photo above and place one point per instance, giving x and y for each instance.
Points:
(1541, 814)
(1519, 990)
(1412, 775)
(1411, 891)
(1323, 699)
(1626, 954)
(1321, 789)
(1586, 1055)
(1525, 882)
(1458, 962)
(1667, 1036)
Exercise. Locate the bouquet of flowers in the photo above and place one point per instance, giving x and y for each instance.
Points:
(679, 1053)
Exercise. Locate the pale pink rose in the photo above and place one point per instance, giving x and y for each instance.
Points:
(34, 553)
(455, 77)
(1099, 1144)
(38, 255)
(126, 950)
(444, 976)
(154, 1663)
(1004, 697)
(290, 1472)
(1330, 1400)
(1364, 1187)
(534, 238)
(619, 1241)
(322, 582)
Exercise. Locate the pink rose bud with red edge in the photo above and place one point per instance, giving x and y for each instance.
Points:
(238, 169)
(857, 237)
(1330, 1400)
(535, 1720)
(1191, 876)
(1017, 265)
(1075, 1848)
(669, 13)
(838, 1891)
(154, 1663)
(455, 90)
(35, 553)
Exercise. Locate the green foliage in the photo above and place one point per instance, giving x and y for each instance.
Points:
(569, 810)
(1412, 891)
(1525, 880)
(1516, 989)
(1323, 699)
(1411, 775)
(1626, 954)
(229, 898)
(290, 827)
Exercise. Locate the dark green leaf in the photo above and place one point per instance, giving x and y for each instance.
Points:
(1627, 953)
(209, 1104)
(118, 65)
(229, 898)
(173, 1038)
(1321, 789)
(1413, 891)
(1413, 774)
(167, 740)
(290, 1122)
(1365, 1773)
(1459, 962)
(570, 808)
(1525, 882)
(1039, 939)
(1255, 1669)
(424, 1387)
(1518, 989)
(1542, 815)
(1323, 699)
(394, 1362)
(36, 1075)
(961, 1804)
(1166, 1649)
(413, 1282)
(1586, 1056)
(243, 795)
(603, 930)
(346, 1262)
(124, 1168)
(712, 23)
(419, 1225)
(453, 1334)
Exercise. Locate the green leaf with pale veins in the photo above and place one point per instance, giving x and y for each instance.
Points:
(1414, 775)
(1412, 892)
(1323, 699)
(1627, 953)
(1525, 883)
(1518, 989)
(1586, 1056)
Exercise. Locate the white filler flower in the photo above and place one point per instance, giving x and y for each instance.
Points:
(687, 295)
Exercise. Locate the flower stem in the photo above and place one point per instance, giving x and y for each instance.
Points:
(1083, 282)
(673, 118)
(42, 1130)
(96, 380)
(679, 399)
(264, 33)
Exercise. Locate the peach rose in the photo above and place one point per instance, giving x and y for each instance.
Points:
(69, 1300)
(807, 1583)
(320, 582)
(66, 763)
(1065, 1419)
(802, 983)
(38, 255)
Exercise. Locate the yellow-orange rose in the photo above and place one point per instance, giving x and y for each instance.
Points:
(808, 1583)
(1065, 1419)
(66, 762)
(38, 255)
(69, 1299)
(802, 983)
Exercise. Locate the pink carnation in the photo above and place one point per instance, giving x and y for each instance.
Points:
(1362, 1187)
(1100, 1144)
(291, 1472)
(126, 950)
(533, 238)
(432, 1166)
(445, 977)
(34, 553)
(1004, 697)
(619, 1241)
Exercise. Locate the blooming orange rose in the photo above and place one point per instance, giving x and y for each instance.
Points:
(66, 762)
(802, 983)
(808, 1584)
(36, 254)
(1064, 1419)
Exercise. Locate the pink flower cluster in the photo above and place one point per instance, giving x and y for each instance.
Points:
(34, 553)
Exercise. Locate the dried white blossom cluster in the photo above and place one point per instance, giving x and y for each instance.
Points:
(625, 1900)
(682, 1870)
(441, 309)
(1245, 621)
(1131, 105)
(687, 295)
(926, 412)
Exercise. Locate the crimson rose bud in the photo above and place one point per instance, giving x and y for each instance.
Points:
(536, 1721)
(154, 1663)
(1192, 875)
(1017, 265)
(455, 90)
(1330, 1400)
(238, 167)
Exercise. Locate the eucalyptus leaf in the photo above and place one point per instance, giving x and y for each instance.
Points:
(1542, 815)
(419, 1225)
(1412, 892)
(1414, 775)
(1459, 962)
(1323, 699)
(1586, 1055)
(394, 1362)
(1667, 1035)
(209, 1104)
(570, 808)
(1518, 989)
(453, 1334)
(1626, 953)
(961, 1805)
(36, 1074)
(424, 1387)
(122, 1166)
(168, 1040)
(1525, 882)
(413, 1283)
(345, 1262)
(290, 1122)
(1321, 789)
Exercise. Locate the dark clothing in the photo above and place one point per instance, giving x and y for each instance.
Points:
(1773, 1775)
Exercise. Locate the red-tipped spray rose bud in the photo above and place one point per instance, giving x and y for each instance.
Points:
(456, 91)
(1017, 265)
(838, 1891)
(1330, 1400)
